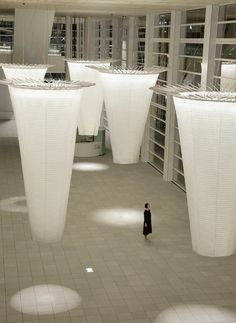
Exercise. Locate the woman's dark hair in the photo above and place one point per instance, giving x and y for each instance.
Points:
(146, 205)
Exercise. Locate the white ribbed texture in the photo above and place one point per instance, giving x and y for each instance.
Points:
(46, 123)
(24, 73)
(92, 98)
(207, 134)
(127, 101)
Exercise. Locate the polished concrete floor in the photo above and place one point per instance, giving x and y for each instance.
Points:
(132, 280)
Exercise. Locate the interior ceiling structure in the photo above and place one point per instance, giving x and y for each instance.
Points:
(105, 7)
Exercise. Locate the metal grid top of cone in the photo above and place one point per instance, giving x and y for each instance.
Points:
(46, 85)
(128, 71)
(46, 115)
(24, 71)
(127, 101)
(195, 93)
(89, 62)
(207, 128)
(23, 66)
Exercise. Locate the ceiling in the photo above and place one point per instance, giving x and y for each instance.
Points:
(104, 7)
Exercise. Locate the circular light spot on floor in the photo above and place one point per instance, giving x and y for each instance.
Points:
(14, 204)
(45, 300)
(118, 216)
(90, 167)
(196, 313)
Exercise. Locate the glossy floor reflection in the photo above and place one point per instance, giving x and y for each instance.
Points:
(133, 280)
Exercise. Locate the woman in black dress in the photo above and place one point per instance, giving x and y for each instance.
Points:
(147, 225)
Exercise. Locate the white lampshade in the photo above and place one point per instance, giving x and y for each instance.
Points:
(127, 101)
(46, 116)
(92, 99)
(18, 71)
(207, 127)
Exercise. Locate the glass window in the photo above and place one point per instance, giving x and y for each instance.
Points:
(161, 32)
(157, 137)
(178, 164)
(141, 32)
(6, 34)
(156, 149)
(58, 37)
(189, 78)
(163, 19)
(179, 179)
(227, 12)
(191, 49)
(177, 134)
(190, 64)
(160, 99)
(77, 38)
(194, 16)
(157, 112)
(158, 163)
(161, 47)
(141, 46)
(160, 60)
(178, 150)
(157, 124)
(163, 76)
(227, 51)
(192, 31)
(226, 30)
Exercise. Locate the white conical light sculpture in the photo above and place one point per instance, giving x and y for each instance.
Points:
(127, 100)
(46, 116)
(16, 71)
(207, 127)
(92, 99)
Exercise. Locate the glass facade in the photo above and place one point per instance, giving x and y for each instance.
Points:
(6, 33)
(141, 32)
(58, 37)
(225, 55)
(77, 37)
(158, 109)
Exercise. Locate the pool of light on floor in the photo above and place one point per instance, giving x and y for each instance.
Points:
(89, 167)
(203, 313)
(14, 204)
(45, 300)
(118, 216)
